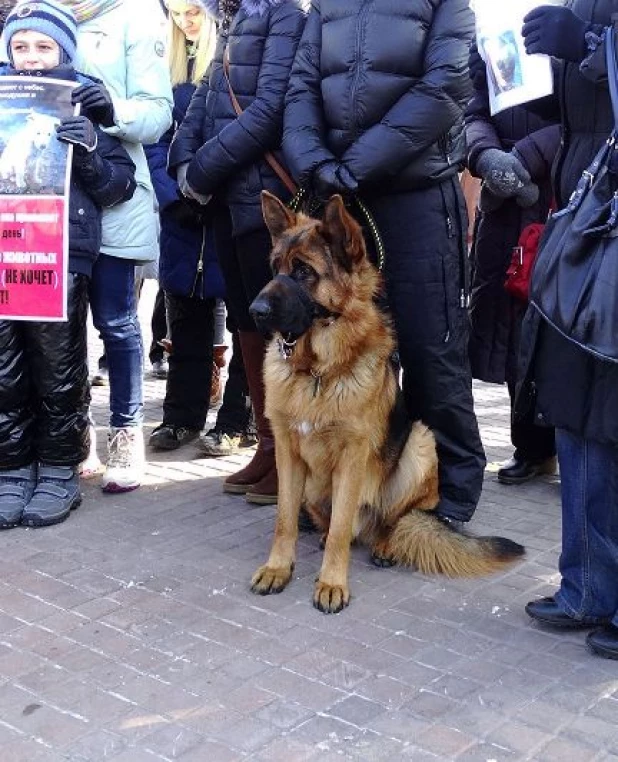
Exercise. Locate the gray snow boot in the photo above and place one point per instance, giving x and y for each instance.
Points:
(56, 493)
(16, 488)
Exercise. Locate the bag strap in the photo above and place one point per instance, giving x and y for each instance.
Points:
(612, 71)
(275, 165)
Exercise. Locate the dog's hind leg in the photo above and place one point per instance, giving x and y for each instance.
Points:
(292, 472)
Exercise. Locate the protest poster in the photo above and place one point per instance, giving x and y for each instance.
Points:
(34, 198)
(513, 76)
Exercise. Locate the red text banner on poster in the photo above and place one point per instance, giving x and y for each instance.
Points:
(32, 258)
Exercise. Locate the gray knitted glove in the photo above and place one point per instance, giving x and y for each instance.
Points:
(503, 174)
(528, 195)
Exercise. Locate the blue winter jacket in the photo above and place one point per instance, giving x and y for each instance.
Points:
(188, 260)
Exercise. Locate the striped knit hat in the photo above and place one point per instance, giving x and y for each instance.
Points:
(47, 17)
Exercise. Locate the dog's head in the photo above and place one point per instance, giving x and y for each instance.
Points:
(315, 263)
(41, 128)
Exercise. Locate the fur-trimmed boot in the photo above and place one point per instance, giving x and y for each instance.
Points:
(258, 479)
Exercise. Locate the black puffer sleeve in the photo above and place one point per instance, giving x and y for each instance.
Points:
(108, 176)
(304, 131)
(258, 129)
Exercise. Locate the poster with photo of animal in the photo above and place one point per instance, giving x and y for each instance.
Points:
(513, 76)
(34, 187)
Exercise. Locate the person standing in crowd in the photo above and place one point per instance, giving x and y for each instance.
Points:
(188, 269)
(5, 9)
(218, 152)
(44, 392)
(570, 388)
(120, 43)
(512, 152)
(375, 108)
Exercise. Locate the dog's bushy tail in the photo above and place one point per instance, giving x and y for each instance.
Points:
(421, 540)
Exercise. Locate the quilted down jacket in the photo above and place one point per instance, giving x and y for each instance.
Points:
(226, 151)
(381, 85)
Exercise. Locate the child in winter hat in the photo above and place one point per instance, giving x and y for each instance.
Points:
(47, 17)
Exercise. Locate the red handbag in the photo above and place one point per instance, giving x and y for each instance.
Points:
(518, 275)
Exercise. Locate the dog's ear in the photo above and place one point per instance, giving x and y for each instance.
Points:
(277, 216)
(343, 234)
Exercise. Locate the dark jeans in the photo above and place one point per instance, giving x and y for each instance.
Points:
(245, 264)
(44, 392)
(112, 301)
(425, 269)
(532, 443)
(589, 559)
(191, 330)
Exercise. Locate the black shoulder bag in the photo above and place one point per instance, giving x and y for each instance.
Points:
(574, 283)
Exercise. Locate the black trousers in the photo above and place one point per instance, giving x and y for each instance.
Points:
(234, 416)
(245, 264)
(426, 275)
(158, 325)
(44, 390)
(532, 443)
(191, 330)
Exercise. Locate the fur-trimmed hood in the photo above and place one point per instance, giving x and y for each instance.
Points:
(250, 7)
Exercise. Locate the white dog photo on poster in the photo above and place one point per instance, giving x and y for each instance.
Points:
(22, 160)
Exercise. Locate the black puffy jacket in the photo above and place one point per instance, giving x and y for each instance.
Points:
(227, 152)
(495, 315)
(381, 85)
(572, 389)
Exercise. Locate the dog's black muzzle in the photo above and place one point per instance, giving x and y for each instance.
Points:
(284, 306)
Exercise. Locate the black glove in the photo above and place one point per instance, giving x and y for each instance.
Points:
(187, 214)
(331, 178)
(96, 103)
(555, 31)
(80, 132)
(502, 172)
(477, 68)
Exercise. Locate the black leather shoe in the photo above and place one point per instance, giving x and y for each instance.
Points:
(168, 437)
(455, 524)
(547, 611)
(604, 642)
(519, 471)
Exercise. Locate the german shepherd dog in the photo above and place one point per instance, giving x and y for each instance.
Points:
(345, 448)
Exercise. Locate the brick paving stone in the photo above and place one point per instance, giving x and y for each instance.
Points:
(129, 633)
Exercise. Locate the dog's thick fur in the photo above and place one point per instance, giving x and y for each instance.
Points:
(20, 156)
(344, 446)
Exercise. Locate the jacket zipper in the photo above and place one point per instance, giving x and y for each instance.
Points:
(359, 36)
(199, 270)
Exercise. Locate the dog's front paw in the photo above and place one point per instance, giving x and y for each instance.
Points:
(330, 599)
(268, 580)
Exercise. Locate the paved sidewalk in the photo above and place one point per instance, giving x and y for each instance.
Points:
(129, 634)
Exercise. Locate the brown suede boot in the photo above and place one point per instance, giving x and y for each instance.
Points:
(265, 491)
(263, 462)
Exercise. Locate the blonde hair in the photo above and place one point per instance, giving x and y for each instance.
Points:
(204, 50)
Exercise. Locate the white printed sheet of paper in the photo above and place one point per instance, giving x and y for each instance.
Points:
(513, 76)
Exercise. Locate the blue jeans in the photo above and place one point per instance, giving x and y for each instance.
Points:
(112, 301)
(589, 559)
